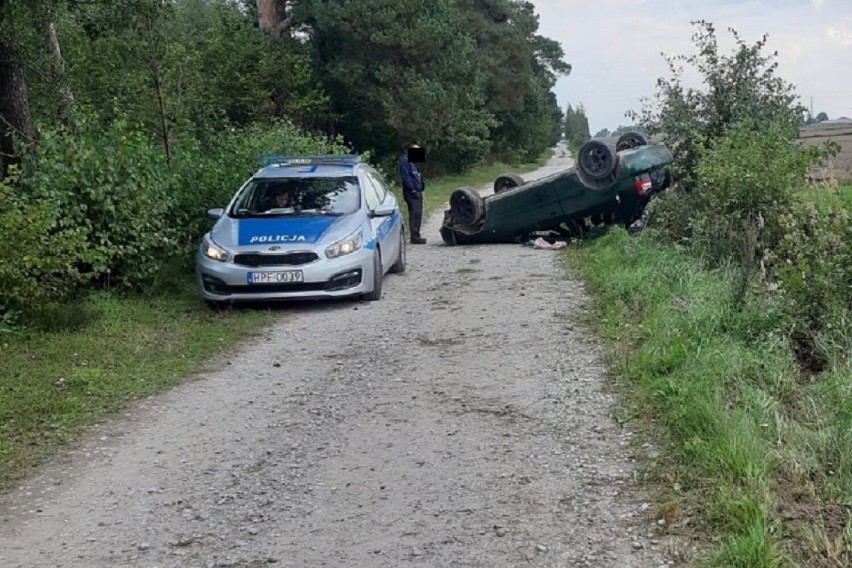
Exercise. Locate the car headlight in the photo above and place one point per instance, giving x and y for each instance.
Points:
(212, 250)
(348, 245)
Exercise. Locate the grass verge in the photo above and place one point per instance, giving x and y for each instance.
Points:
(755, 463)
(95, 357)
(54, 383)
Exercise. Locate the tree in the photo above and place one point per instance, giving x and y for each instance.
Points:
(521, 68)
(603, 133)
(272, 15)
(15, 120)
(821, 117)
(401, 71)
(576, 127)
(740, 89)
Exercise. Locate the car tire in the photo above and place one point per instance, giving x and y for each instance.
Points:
(630, 140)
(597, 159)
(376, 293)
(399, 266)
(507, 181)
(467, 206)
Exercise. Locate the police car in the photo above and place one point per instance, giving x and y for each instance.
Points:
(303, 227)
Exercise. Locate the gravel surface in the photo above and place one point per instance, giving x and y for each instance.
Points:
(460, 421)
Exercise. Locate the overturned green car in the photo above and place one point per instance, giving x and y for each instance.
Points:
(612, 183)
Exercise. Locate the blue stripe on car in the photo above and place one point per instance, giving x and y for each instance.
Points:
(388, 224)
(270, 231)
(385, 227)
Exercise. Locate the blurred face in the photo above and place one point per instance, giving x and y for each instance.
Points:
(282, 200)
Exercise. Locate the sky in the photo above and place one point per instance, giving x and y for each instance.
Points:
(615, 48)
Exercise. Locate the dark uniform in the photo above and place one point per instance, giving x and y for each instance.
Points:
(412, 192)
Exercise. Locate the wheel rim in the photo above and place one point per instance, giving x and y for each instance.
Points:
(630, 143)
(596, 161)
(465, 209)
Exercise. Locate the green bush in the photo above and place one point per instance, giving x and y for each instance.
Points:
(745, 182)
(109, 183)
(746, 209)
(38, 260)
(813, 264)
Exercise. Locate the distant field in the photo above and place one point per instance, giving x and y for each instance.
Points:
(840, 167)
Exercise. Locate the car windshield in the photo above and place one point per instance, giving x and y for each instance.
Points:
(298, 196)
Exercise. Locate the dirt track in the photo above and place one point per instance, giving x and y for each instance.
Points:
(458, 422)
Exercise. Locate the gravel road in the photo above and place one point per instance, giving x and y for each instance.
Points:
(460, 421)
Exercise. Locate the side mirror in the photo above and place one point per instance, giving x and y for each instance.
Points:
(384, 210)
(215, 213)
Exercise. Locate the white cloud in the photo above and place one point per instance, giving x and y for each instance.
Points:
(615, 47)
(839, 36)
(791, 53)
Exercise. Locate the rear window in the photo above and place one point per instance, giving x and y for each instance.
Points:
(298, 197)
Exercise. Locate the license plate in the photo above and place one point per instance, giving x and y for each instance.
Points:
(275, 277)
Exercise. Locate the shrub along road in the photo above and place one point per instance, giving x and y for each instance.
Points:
(459, 421)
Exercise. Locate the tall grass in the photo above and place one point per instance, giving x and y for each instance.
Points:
(756, 454)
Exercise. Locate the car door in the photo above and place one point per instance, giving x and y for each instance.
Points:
(373, 198)
(388, 229)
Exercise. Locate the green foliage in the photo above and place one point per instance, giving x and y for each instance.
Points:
(739, 88)
(813, 264)
(744, 183)
(461, 78)
(746, 209)
(400, 72)
(37, 261)
(739, 172)
(576, 127)
(741, 344)
(750, 173)
(524, 134)
(110, 184)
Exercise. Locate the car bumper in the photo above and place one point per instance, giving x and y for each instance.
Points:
(325, 278)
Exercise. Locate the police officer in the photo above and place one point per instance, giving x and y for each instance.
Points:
(412, 190)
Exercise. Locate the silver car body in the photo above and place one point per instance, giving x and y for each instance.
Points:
(287, 256)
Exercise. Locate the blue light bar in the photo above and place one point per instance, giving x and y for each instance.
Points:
(279, 160)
